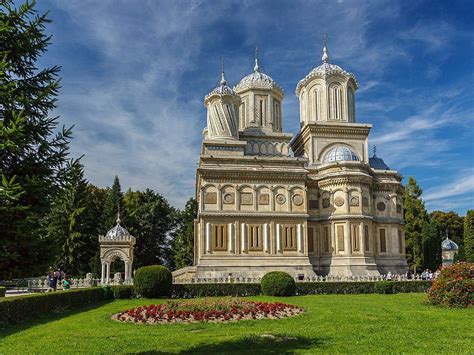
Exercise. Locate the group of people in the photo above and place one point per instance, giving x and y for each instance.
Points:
(55, 277)
(428, 275)
(425, 275)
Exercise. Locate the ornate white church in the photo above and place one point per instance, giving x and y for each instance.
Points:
(311, 204)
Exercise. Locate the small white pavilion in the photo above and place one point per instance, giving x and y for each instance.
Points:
(118, 243)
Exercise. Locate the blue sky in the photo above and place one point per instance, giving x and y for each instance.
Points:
(135, 74)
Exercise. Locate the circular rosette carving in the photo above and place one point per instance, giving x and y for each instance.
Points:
(228, 198)
(298, 200)
(339, 201)
(381, 206)
(280, 199)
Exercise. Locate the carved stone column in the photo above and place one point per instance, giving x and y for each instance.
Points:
(107, 275)
(265, 238)
(208, 238)
(299, 238)
(278, 237)
(102, 278)
(243, 235)
(231, 236)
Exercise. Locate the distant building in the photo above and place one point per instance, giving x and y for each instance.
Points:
(315, 203)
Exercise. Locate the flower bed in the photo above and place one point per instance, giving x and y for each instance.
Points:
(206, 310)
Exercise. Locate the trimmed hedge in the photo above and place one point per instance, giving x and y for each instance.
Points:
(278, 283)
(302, 288)
(313, 288)
(153, 281)
(2, 291)
(209, 290)
(122, 292)
(14, 310)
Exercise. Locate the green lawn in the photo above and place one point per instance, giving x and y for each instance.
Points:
(331, 323)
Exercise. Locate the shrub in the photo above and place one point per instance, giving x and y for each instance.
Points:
(454, 287)
(209, 290)
(278, 283)
(153, 281)
(122, 292)
(2, 291)
(19, 309)
(384, 287)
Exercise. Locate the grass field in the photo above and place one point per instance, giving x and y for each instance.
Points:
(331, 323)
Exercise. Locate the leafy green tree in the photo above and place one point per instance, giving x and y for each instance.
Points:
(432, 238)
(415, 217)
(33, 149)
(182, 248)
(151, 220)
(73, 225)
(469, 236)
(113, 204)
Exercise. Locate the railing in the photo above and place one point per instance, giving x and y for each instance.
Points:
(297, 279)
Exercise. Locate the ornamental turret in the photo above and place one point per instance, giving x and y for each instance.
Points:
(261, 96)
(327, 94)
(222, 112)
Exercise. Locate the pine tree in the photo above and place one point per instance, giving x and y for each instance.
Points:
(415, 216)
(432, 238)
(113, 204)
(32, 156)
(73, 224)
(183, 241)
(469, 236)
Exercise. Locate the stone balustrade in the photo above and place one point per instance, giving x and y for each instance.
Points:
(307, 279)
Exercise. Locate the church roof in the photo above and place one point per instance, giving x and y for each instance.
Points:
(324, 70)
(257, 80)
(378, 163)
(221, 90)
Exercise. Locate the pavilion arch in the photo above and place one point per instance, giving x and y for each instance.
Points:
(114, 254)
(118, 243)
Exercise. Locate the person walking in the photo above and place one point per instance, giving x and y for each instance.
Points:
(52, 281)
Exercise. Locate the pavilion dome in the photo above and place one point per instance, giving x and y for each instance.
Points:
(448, 244)
(118, 232)
(340, 153)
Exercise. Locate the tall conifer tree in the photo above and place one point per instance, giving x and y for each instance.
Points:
(469, 236)
(32, 156)
(432, 238)
(415, 216)
(73, 224)
(113, 204)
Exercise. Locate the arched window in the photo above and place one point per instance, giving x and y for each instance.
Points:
(276, 116)
(335, 102)
(316, 104)
(351, 104)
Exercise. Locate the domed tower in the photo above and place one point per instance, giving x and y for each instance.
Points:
(354, 201)
(327, 94)
(328, 131)
(261, 101)
(222, 107)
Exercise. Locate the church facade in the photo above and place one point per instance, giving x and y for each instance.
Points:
(311, 204)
